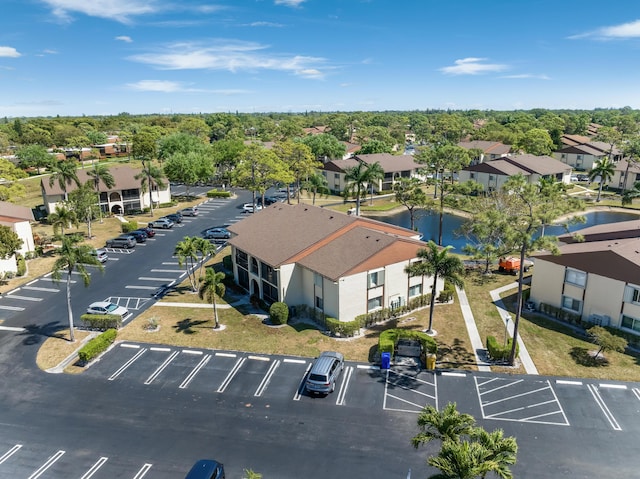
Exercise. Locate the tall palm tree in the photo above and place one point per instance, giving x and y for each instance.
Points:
(212, 286)
(502, 450)
(100, 173)
(448, 424)
(356, 179)
(205, 249)
(316, 183)
(462, 460)
(375, 173)
(65, 173)
(632, 156)
(73, 257)
(63, 217)
(149, 177)
(187, 253)
(438, 263)
(604, 169)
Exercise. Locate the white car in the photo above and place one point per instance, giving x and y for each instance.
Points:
(105, 307)
(250, 207)
(161, 223)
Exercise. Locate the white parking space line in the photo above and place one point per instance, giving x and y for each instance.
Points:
(171, 263)
(342, 392)
(509, 398)
(226, 355)
(95, 468)
(11, 308)
(369, 367)
(636, 393)
(231, 374)
(127, 364)
(298, 394)
(605, 410)
(13, 291)
(47, 465)
(406, 401)
(189, 351)
(167, 271)
(143, 471)
(32, 282)
(12, 328)
(294, 361)
(572, 383)
(203, 362)
(133, 286)
(612, 386)
(146, 278)
(162, 350)
(457, 375)
(10, 453)
(133, 346)
(499, 387)
(37, 288)
(161, 368)
(267, 377)
(23, 298)
(73, 281)
(259, 358)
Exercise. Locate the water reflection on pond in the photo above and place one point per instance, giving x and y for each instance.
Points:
(428, 225)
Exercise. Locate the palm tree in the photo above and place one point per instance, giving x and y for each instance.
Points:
(356, 178)
(101, 173)
(462, 460)
(212, 286)
(448, 424)
(62, 218)
(64, 172)
(437, 262)
(187, 253)
(375, 172)
(629, 195)
(632, 157)
(205, 249)
(316, 183)
(502, 450)
(73, 257)
(604, 169)
(149, 177)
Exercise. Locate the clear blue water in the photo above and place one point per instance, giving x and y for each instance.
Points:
(428, 225)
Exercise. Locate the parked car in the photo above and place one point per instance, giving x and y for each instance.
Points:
(250, 208)
(217, 233)
(325, 372)
(583, 177)
(149, 231)
(124, 241)
(164, 223)
(206, 469)
(140, 236)
(192, 211)
(175, 217)
(105, 307)
(100, 255)
(269, 200)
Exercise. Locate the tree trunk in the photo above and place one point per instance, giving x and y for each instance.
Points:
(432, 303)
(599, 191)
(626, 175)
(72, 336)
(516, 321)
(215, 313)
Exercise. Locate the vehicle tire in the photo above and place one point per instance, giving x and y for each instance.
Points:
(333, 387)
(501, 269)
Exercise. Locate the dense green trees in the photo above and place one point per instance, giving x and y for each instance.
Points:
(65, 174)
(602, 171)
(10, 242)
(410, 194)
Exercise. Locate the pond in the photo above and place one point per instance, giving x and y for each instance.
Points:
(427, 224)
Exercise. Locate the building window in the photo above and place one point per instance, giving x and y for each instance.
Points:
(472, 176)
(336, 176)
(319, 303)
(374, 303)
(563, 156)
(242, 259)
(632, 294)
(243, 278)
(630, 323)
(268, 273)
(254, 266)
(575, 277)
(490, 177)
(571, 304)
(415, 290)
(375, 279)
(269, 292)
(317, 280)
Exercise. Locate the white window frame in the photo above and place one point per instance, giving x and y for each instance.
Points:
(575, 277)
(635, 323)
(413, 288)
(570, 308)
(378, 299)
(375, 279)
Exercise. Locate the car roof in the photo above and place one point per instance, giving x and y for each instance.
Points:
(203, 469)
(100, 303)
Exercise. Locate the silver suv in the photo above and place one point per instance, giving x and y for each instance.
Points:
(325, 372)
(124, 241)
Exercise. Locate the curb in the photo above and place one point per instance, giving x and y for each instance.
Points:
(72, 357)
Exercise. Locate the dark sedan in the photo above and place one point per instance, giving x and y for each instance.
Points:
(150, 232)
(175, 217)
(139, 235)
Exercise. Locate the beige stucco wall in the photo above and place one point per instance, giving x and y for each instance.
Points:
(603, 296)
(546, 283)
(23, 230)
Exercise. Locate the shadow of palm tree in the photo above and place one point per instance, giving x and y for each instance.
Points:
(35, 334)
(186, 326)
(455, 353)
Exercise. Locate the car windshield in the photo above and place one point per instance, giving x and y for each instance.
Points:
(111, 307)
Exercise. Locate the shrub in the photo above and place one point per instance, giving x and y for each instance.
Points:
(21, 264)
(343, 328)
(101, 322)
(447, 293)
(129, 226)
(168, 205)
(499, 352)
(227, 262)
(218, 194)
(279, 313)
(389, 338)
(97, 345)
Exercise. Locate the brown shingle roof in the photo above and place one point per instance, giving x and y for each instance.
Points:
(390, 163)
(321, 239)
(123, 176)
(605, 232)
(15, 212)
(488, 147)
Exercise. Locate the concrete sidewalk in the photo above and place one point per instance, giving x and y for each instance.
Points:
(476, 342)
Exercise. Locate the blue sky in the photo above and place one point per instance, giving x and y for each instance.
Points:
(93, 57)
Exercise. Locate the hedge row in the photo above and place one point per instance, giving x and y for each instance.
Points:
(389, 338)
(97, 345)
(499, 352)
(101, 322)
(129, 226)
(343, 329)
(218, 194)
(560, 314)
(384, 314)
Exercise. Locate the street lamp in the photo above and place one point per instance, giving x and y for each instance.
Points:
(506, 325)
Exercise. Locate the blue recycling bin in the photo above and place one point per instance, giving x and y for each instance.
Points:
(385, 361)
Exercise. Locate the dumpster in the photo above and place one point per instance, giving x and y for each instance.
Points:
(385, 361)
(431, 361)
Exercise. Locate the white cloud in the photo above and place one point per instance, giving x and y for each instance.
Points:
(624, 30)
(528, 75)
(49, 51)
(228, 55)
(265, 24)
(9, 52)
(289, 3)
(165, 86)
(472, 66)
(118, 10)
(124, 38)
